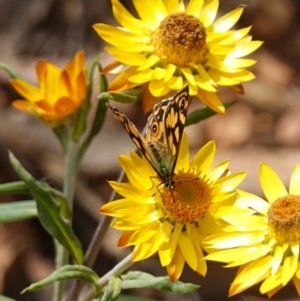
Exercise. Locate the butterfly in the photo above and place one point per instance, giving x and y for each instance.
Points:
(163, 134)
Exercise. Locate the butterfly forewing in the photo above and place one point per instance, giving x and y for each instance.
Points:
(163, 133)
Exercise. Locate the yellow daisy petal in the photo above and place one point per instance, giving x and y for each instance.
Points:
(295, 181)
(272, 186)
(227, 21)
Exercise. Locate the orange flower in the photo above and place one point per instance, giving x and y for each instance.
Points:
(60, 92)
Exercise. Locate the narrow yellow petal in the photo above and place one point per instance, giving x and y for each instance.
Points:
(204, 158)
(188, 75)
(230, 182)
(175, 83)
(209, 12)
(159, 73)
(169, 72)
(126, 19)
(243, 49)
(250, 200)
(28, 91)
(188, 250)
(184, 154)
(173, 6)
(271, 184)
(193, 235)
(194, 8)
(212, 100)
(142, 77)
(271, 282)
(295, 181)
(232, 240)
(218, 170)
(225, 23)
(152, 12)
(151, 61)
(290, 265)
(176, 266)
(127, 57)
(158, 88)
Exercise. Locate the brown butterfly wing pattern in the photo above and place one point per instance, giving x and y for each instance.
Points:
(165, 129)
(163, 133)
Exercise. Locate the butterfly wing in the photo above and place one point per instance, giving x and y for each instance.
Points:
(136, 137)
(165, 129)
(174, 121)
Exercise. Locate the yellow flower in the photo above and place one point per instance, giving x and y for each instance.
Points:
(263, 237)
(172, 222)
(173, 44)
(60, 92)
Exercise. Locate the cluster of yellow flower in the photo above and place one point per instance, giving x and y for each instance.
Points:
(204, 216)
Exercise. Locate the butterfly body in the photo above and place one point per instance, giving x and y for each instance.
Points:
(163, 134)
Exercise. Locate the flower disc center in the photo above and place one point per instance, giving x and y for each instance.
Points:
(189, 200)
(284, 219)
(180, 39)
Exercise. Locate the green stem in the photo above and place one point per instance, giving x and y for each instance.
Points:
(116, 271)
(62, 255)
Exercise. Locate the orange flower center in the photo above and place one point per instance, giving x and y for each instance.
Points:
(180, 39)
(189, 200)
(284, 219)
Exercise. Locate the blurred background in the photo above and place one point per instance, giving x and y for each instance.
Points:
(262, 126)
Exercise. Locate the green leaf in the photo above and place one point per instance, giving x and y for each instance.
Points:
(50, 212)
(127, 97)
(3, 298)
(13, 74)
(17, 211)
(18, 187)
(81, 119)
(112, 290)
(202, 114)
(137, 279)
(66, 272)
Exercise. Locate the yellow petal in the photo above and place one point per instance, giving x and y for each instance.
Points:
(203, 159)
(188, 75)
(277, 255)
(176, 266)
(124, 38)
(290, 265)
(243, 49)
(126, 19)
(250, 200)
(127, 57)
(194, 237)
(188, 250)
(158, 88)
(271, 184)
(152, 12)
(142, 77)
(159, 73)
(230, 182)
(295, 181)
(231, 240)
(224, 23)
(175, 83)
(212, 100)
(218, 170)
(194, 8)
(209, 12)
(173, 6)
(28, 91)
(151, 60)
(169, 72)
(184, 154)
(271, 283)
